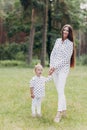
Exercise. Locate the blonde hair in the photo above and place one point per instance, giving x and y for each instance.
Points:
(38, 66)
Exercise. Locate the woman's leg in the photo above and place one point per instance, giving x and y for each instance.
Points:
(60, 88)
(60, 80)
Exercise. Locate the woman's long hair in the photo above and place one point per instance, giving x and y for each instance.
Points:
(70, 37)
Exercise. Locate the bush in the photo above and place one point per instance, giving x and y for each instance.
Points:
(82, 60)
(11, 63)
(20, 56)
(18, 63)
(13, 51)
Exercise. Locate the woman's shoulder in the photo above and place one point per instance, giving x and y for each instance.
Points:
(69, 41)
(58, 39)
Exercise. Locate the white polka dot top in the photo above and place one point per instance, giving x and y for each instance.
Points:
(38, 84)
(61, 55)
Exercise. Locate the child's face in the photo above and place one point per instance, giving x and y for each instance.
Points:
(38, 71)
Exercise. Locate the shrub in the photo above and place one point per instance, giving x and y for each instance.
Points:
(18, 63)
(11, 63)
(13, 51)
(82, 60)
(20, 56)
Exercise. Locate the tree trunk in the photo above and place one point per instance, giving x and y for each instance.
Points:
(44, 34)
(31, 37)
(79, 46)
(49, 31)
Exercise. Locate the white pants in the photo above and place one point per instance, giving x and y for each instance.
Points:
(60, 80)
(36, 105)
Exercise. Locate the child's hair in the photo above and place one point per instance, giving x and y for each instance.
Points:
(38, 66)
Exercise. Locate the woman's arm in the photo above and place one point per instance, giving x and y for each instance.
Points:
(57, 62)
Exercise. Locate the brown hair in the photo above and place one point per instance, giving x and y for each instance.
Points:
(70, 37)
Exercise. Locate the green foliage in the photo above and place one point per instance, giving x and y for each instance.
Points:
(25, 3)
(13, 51)
(85, 60)
(18, 62)
(34, 3)
(12, 63)
(82, 60)
(68, 12)
(17, 20)
(20, 56)
(14, 23)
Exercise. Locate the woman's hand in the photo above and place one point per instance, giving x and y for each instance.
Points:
(32, 95)
(51, 70)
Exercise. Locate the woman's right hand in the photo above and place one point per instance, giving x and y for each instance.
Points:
(52, 69)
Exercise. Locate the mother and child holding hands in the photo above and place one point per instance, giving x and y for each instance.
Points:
(61, 59)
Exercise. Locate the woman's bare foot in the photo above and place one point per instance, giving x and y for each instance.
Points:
(58, 117)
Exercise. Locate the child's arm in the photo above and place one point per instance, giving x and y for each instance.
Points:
(31, 92)
(48, 78)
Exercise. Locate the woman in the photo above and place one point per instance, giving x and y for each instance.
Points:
(61, 59)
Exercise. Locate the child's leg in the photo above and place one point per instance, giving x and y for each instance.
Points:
(39, 106)
(33, 106)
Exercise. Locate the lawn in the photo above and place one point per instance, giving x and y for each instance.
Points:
(15, 101)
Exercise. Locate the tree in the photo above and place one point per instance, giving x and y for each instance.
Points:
(26, 4)
(31, 37)
(44, 34)
(35, 6)
(33, 21)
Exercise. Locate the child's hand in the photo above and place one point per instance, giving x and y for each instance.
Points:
(32, 95)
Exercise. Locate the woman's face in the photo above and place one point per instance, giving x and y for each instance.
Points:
(65, 32)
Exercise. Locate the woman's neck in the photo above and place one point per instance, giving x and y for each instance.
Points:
(64, 39)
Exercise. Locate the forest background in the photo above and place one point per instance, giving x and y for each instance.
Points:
(29, 28)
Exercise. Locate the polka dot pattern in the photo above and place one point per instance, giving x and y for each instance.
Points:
(61, 55)
(38, 83)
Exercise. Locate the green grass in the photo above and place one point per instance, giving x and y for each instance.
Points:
(15, 101)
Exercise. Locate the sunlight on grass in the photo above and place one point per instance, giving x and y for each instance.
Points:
(15, 101)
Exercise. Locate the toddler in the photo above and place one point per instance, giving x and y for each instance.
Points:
(37, 90)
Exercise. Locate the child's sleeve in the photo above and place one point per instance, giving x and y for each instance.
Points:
(48, 78)
(31, 83)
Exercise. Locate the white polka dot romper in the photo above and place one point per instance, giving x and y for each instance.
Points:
(38, 83)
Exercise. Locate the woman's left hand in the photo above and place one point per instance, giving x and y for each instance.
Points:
(51, 70)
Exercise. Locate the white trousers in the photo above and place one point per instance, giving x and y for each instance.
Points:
(36, 105)
(60, 80)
